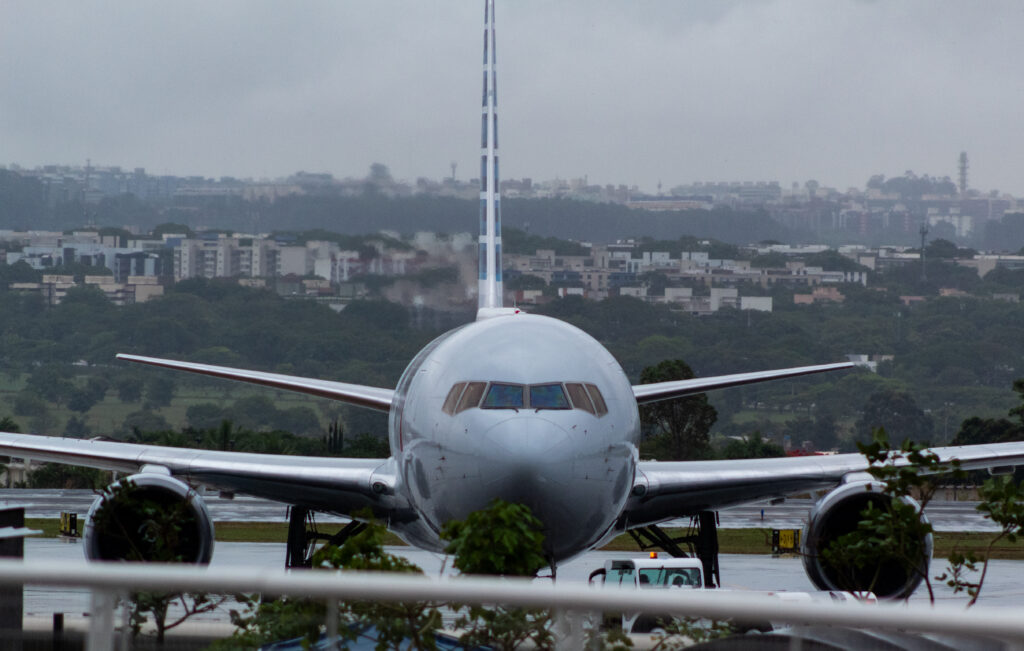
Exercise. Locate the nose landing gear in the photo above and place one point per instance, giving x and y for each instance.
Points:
(303, 536)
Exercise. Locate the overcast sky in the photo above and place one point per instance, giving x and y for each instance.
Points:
(621, 91)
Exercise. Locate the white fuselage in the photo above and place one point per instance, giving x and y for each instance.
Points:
(511, 407)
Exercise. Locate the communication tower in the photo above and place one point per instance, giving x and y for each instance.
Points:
(963, 174)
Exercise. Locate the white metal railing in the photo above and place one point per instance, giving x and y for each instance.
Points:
(107, 580)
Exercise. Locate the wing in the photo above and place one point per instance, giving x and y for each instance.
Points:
(333, 485)
(356, 394)
(679, 388)
(677, 489)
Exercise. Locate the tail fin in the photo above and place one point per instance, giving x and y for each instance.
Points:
(490, 292)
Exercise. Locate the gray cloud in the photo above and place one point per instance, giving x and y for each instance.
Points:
(630, 92)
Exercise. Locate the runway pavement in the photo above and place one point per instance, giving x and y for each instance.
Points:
(791, 514)
(1004, 584)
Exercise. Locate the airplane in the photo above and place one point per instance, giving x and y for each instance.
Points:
(515, 406)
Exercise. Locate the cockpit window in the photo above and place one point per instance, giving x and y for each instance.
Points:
(504, 396)
(580, 399)
(548, 396)
(471, 398)
(595, 395)
(453, 398)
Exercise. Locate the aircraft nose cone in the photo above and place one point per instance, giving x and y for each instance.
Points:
(529, 443)
(536, 462)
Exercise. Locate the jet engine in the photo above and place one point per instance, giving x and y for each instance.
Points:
(837, 514)
(149, 517)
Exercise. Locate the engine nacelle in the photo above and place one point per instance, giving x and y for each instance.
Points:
(149, 517)
(837, 514)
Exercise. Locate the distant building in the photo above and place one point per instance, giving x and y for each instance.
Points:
(820, 295)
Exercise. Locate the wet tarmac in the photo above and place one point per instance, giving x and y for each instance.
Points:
(1004, 585)
(791, 514)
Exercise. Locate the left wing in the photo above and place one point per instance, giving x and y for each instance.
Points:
(334, 485)
(679, 388)
(677, 489)
(357, 394)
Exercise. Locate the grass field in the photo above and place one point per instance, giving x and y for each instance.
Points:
(730, 541)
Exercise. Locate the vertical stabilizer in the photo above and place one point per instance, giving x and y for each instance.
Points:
(490, 294)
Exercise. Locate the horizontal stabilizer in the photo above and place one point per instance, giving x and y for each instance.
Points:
(356, 394)
(679, 388)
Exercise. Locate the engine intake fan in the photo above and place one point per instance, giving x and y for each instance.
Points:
(837, 514)
(149, 517)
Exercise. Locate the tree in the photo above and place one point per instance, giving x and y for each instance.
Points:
(205, 415)
(677, 429)
(144, 421)
(940, 248)
(59, 475)
(771, 260)
(129, 389)
(76, 427)
(51, 383)
(820, 431)
(892, 534)
(81, 401)
(975, 430)
(1002, 501)
(159, 392)
(396, 625)
(518, 551)
(7, 424)
(1018, 411)
(505, 539)
(524, 281)
(752, 447)
(29, 404)
(895, 411)
(152, 531)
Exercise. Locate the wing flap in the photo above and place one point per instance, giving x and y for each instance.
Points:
(679, 388)
(356, 394)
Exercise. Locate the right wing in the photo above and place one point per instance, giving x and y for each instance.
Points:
(678, 388)
(333, 485)
(356, 394)
(676, 489)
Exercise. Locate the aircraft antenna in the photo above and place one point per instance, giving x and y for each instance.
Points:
(490, 291)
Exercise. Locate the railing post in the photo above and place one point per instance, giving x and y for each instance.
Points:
(101, 621)
(570, 629)
(332, 622)
(125, 600)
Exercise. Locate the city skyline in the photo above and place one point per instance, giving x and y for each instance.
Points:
(633, 94)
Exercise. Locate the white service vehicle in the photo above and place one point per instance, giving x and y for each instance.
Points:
(687, 573)
(650, 573)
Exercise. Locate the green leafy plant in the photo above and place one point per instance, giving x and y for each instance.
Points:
(505, 539)
(394, 625)
(890, 531)
(151, 530)
(1001, 502)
